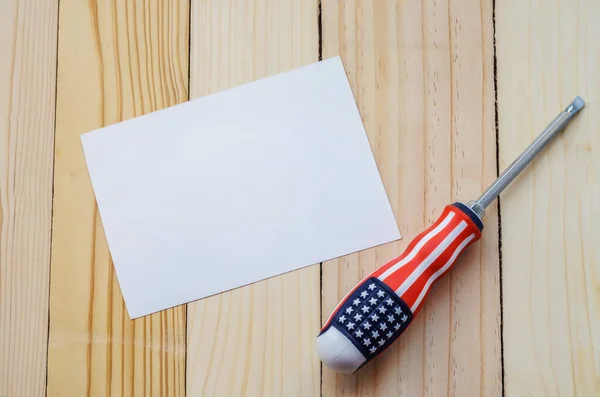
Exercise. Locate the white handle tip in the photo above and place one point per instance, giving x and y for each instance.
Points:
(337, 352)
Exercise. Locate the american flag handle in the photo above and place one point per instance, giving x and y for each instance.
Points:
(380, 307)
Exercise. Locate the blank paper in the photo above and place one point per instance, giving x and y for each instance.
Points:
(238, 186)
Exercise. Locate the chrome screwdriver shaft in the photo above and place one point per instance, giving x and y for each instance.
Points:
(515, 168)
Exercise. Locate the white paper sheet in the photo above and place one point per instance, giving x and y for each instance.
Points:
(236, 187)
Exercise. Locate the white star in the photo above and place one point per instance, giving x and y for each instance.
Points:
(398, 310)
(372, 301)
(375, 334)
(389, 334)
(380, 294)
(365, 309)
(356, 302)
(382, 309)
(397, 327)
(371, 286)
(359, 333)
(374, 317)
(342, 319)
(350, 325)
(383, 327)
(367, 342)
(389, 301)
(391, 319)
(364, 294)
(358, 317)
(373, 349)
(381, 342)
(349, 310)
(367, 325)
(404, 318)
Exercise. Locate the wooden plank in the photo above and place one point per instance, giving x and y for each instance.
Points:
(28, 31)
(422, 74)
(116, 60)
(547, 54)
(257, 340)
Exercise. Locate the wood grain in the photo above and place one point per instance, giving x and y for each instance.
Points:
(28, 31)
(422, 74)
(116, 60)
(257, 340)
(547, 54)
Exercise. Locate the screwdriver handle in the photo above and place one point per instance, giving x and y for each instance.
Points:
(380, 307)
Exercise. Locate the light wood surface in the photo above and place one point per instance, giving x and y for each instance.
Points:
(27, 92)
(547, 54)
(116, 60)
(423, 80)
(258, 340)
(422, 74)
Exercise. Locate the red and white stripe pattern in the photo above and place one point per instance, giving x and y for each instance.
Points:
(429, 256)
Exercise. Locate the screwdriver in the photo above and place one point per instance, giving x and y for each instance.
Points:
(372, 316)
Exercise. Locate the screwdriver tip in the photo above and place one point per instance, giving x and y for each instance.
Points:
(576, 105)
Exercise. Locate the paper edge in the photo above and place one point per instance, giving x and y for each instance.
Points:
(108, 243)
(370, 247)
(203, 97)
(368, 143)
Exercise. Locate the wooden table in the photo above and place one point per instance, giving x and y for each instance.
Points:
(450, 91)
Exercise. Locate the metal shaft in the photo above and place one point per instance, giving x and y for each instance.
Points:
(526, 157)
